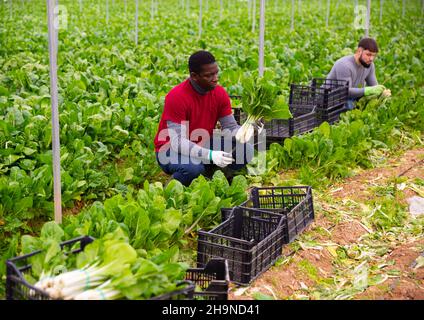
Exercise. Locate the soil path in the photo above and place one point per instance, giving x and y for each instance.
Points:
(306, 267)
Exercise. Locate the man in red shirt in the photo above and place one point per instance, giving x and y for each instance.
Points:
(186, 144)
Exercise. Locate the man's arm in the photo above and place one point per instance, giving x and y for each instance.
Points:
(229, 123)
(371, 79)
(183, 145)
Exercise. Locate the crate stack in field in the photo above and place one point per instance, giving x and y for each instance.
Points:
(331, 98)
(310, 105)
(251, 236)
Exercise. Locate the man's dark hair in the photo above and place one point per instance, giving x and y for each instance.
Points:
(368, 44)
(198, 59)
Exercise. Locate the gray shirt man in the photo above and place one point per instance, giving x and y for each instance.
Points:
(346, 68)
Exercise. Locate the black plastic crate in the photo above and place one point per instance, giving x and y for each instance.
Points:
(331, 98)
(17, 288)
(294, 203)
(304, 119)
(251, 240)
(213, 280)
(303, 107)
(226, 212)
(238, 113)
(184, 292)
(239, 116)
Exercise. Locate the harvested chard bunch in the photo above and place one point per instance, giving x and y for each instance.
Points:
(375, 101)
(108, 268)
(100, 261)
(384, 96)
(260, 101)
(386, 93)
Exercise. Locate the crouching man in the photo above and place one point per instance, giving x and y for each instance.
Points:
(185, 143)
(358, 69)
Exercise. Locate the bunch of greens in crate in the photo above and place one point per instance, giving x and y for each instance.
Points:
(108, 268)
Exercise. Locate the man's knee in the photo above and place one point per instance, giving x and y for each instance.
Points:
(191, 171)
(194, 170)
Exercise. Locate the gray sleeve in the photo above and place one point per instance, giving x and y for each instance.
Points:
(371, 80)
(229, 123)
(356, 92)
(341, 71)
(183, 145)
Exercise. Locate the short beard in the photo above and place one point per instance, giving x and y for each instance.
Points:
(364, 64)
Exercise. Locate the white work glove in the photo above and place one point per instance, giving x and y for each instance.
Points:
(220, 158)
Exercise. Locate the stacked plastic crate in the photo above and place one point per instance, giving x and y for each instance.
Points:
(310, 105)
(251, 236)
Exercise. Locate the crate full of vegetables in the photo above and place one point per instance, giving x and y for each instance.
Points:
(104, 269)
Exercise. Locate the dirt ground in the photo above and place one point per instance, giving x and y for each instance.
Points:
(284, 281)
(409, 286)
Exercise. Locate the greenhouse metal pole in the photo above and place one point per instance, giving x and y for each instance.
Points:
(220, 9)
(327, 17)
(300, 8)
(292, 17)
(152, 9)
(261, 39)
(107, 11)
(403, 8)
(125, 5)
(10, 10)
(367, 22)
(200, 18)
(188, 8)
(381, 10)
(55, 113)
(136, 22)
(254, 16)
(80, 5)
(56, 30)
